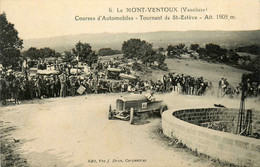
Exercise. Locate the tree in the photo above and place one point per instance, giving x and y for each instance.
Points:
(57, 54)
(254, 76)
(180, 46)
(31, 53)
(131, 48)
(216, 53)
(232, 56)
(68, 56)
(107, 52)
(194, 47)
(256, 65)
(253, 49)
(10, 43)
(46, 52)
(35, 54)
(146, 53)
(160, 49)
(160, 58)
(171, 51)
(84, 52)
(141, 50)
(251, 64)
(175, 51)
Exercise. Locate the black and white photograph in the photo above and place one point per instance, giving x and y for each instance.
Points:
(93, 83)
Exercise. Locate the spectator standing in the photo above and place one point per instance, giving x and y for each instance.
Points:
(63, 82)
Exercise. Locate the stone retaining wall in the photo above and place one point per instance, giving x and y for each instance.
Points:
(228, 147)
(201, 115)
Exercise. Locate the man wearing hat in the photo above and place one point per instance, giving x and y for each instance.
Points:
(38, 84)
(9, 80)
(72, 80)
(221, 86)
(63, 82)
(16, 90)
(191, 85)
(57, 86)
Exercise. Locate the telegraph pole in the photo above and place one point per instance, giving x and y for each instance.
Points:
(241, 114)
(244, 121)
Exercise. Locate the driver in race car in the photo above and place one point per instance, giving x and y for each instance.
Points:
(150, 96)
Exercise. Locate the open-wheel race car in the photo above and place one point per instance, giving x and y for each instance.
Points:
(133, 105)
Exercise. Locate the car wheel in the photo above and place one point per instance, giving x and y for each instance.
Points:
(163, 109)
(131, 116)
(109, 113)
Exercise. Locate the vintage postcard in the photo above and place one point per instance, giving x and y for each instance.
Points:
(151, 83)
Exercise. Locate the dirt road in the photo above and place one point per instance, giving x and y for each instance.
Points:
(75, 131)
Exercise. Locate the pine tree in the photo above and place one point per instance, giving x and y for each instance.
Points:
(10, 44)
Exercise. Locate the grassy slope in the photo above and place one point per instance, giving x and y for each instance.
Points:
(243, 54)
(197, 68)
(211, 72)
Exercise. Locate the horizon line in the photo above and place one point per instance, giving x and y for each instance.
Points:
(138, 33)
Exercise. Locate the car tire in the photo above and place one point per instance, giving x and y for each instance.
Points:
(109, 115)
(163, 109)
(131, 116)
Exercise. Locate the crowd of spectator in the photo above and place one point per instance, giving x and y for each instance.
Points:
(251, 89)
(185, 84)
(22, 86)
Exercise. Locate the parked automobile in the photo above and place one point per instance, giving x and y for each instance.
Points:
(133, 105)
(113, 73)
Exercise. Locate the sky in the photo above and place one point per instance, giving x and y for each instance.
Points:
(48, 18)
